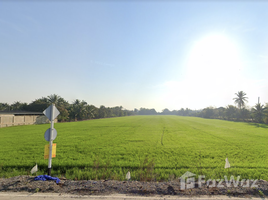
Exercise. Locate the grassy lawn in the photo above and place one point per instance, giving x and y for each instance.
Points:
(150, 147)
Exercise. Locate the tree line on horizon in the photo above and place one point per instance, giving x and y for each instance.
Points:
(77, 110)
(81, 110)
(258, 113)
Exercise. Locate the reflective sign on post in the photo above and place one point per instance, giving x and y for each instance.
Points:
(51, 112)
(47, 135)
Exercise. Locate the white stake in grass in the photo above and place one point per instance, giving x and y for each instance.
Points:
(128, 176)
(227, 164)
(34, 169)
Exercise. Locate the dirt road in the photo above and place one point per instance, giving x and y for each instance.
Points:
(42, 196)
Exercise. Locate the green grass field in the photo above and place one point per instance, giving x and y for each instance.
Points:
(150, 147)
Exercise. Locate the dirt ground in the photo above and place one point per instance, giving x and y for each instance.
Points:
(136, 188)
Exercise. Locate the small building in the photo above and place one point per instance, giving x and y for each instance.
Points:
(15, 118)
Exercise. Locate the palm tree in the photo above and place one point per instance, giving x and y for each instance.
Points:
(91, 112)
(56, 99)
(240, 99)
(259, 112)
(61, 105)
(78, 110)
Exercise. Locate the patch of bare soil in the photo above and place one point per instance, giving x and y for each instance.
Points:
(105, 187)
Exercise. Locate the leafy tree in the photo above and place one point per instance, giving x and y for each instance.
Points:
(259, 112)
(4, 106)
(117, 111)
(221, 112)
(240, 99)
(91, 112)
(38, 105)
(174, 112)
(146, 111)
(181, 112)
(130, 112)
(266, 116)
(78, 110)
(188, 112)
(152, 111)
(231, 112)
(136, 111)
(102, 112)
(208, 112)
(64, 114)
(18, 106)
(244, 114)
(165, 112)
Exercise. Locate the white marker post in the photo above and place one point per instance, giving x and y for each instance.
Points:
(51, 112)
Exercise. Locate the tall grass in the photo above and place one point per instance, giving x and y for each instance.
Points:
(150, 147)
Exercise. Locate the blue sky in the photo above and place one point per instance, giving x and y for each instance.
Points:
(152, 54)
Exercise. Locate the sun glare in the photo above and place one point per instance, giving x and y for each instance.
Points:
(214, 56)
(213, 70)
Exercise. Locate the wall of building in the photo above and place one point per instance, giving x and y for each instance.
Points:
(13, 120)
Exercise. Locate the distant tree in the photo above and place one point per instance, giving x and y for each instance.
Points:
(136, 111)
(18, 106)
(187, 112)
(91, 112)
(266, 115)
(53, 98)
(152, 111)
(121, 113)
(221, 112)
(64, 114)
(109, 112)
(181, 112)
(78, 110)
(244, 114)
(174, 112)
(231, 112)
(61, 104)
(4, 106)
(166, 112)
(208, 112)
(116, 111)
(129, 112)
(259, 112)
(38, 105)
(146, 111)
(102, 112)
(240, 99)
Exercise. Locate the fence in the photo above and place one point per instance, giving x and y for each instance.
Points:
(15, 120)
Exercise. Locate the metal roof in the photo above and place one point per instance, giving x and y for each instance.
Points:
(20, 112)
